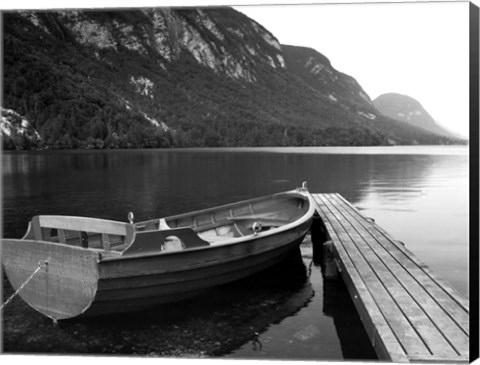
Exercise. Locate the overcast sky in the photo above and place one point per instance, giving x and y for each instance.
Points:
(415, 49)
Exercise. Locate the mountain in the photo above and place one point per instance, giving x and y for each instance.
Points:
(407, 109)
(171, 77)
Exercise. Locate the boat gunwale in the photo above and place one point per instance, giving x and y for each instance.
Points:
(112, 255)
(236, 240)
(234, 204)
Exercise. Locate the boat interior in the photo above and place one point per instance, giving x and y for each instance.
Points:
(203, 228)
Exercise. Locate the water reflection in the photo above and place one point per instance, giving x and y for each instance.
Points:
(154, 183)
(307, 335)
(423, 201)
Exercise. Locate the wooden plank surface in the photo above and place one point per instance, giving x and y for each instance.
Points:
(408, 312)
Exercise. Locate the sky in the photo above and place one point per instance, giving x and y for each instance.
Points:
(415, 49)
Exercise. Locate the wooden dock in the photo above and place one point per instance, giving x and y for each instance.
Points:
(409, 313)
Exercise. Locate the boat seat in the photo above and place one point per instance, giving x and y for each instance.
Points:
(83, 227)
(219, 234)
(154, 241)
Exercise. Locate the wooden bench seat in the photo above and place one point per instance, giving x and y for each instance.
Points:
(79, 231)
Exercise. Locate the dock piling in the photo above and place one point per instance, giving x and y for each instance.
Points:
(330, 269)
(319, 236)
(322, 249)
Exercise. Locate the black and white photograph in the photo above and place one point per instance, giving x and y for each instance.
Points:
(239, 181)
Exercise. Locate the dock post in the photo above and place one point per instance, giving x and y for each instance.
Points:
(319, 237)
(322, 248)
(329, 265)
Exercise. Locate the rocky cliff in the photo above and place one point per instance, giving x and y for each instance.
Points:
(181, 77)
(16, 130)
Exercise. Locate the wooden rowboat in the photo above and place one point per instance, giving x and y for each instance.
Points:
(78, 266)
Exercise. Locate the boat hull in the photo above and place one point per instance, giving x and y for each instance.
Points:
(139, 283)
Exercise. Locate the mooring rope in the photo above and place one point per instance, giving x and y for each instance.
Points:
(40, 265)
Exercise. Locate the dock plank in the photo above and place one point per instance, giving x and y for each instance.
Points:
(422, 285)
(438, 282)
(410, 341)
(409, 313)
(442, 336)
(383, 339)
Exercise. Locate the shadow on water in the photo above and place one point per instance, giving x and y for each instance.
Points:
(337, 302)
(212, 325)
(353, 339)
(307, 333)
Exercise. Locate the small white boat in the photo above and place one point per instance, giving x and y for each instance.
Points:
(93, 266)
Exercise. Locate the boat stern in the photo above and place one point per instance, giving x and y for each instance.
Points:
(57, 280)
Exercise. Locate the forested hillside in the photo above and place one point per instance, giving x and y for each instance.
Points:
(179, 78)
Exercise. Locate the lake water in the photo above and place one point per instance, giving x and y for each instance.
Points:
(418, 194)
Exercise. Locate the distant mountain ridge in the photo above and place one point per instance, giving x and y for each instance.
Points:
(406, 109)
(181, 78)
(316, 70)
